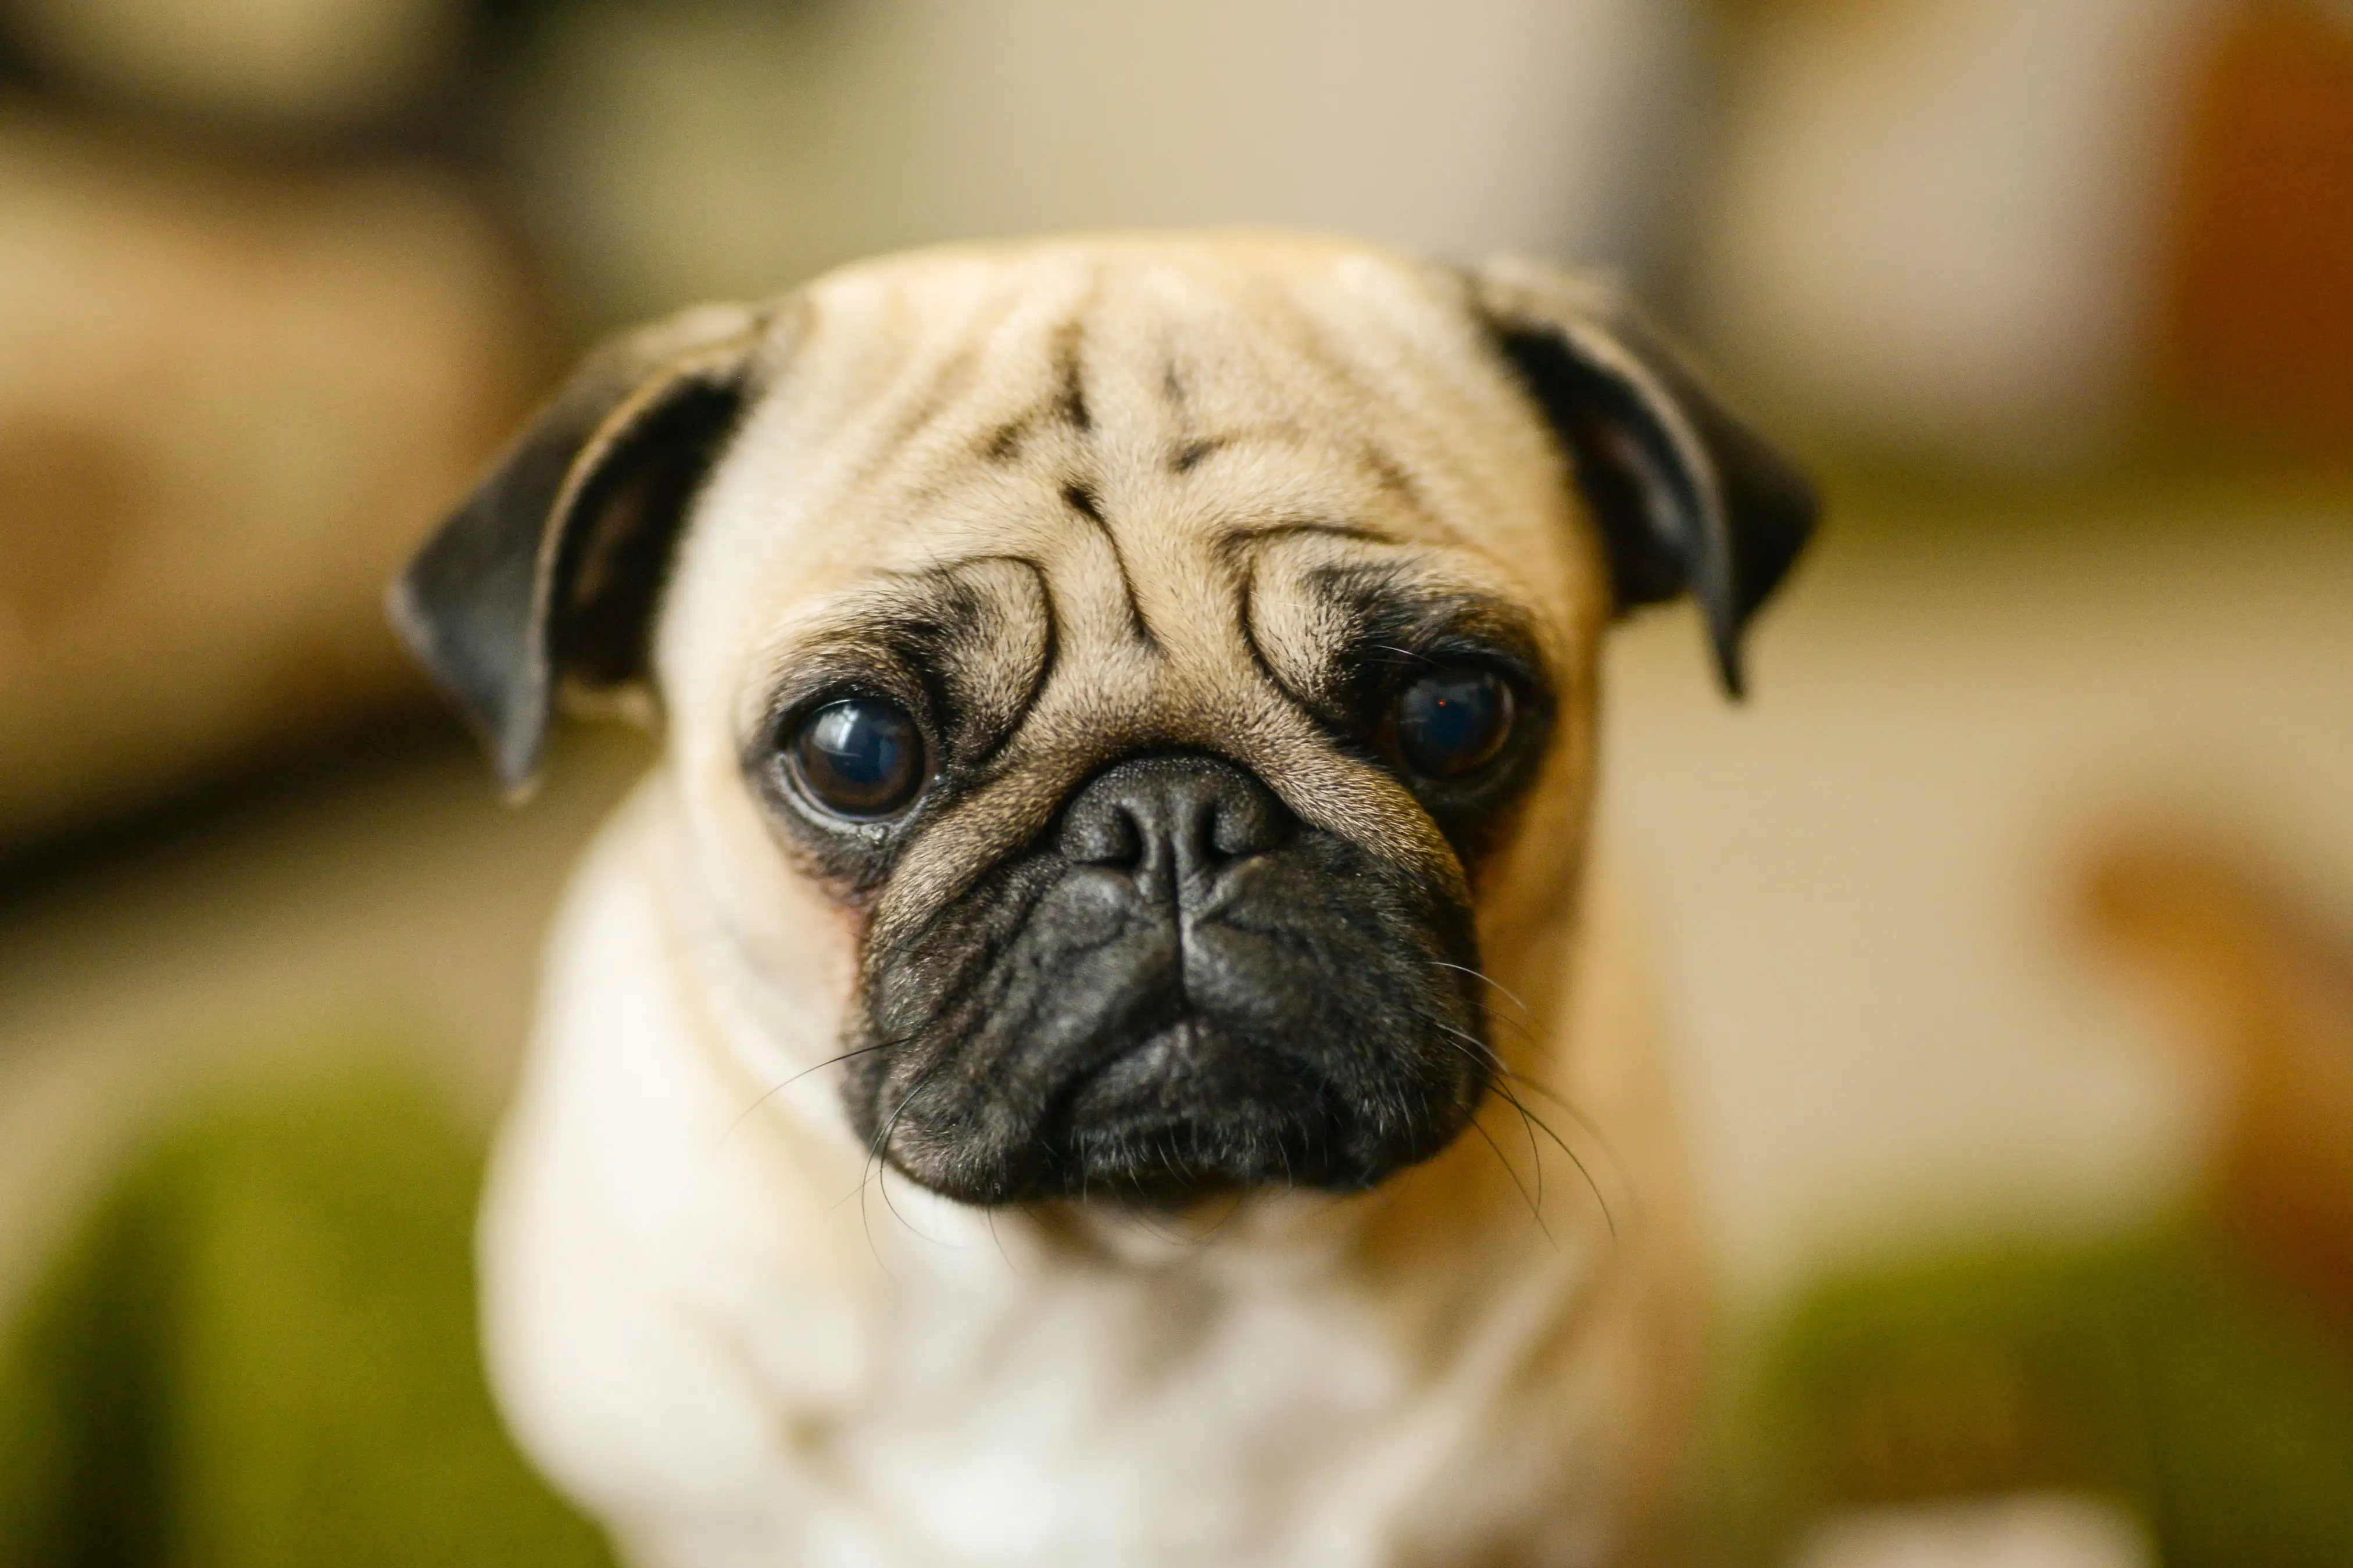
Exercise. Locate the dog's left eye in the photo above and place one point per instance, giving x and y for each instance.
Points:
(1453, 722)
(860, 758)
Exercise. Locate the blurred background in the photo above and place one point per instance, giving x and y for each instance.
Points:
(2009, 928)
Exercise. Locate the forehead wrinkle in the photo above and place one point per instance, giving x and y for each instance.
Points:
(1261, 493)
(969, 506)
(889, 601)
(1237, 379)
(1411, 390)
(906, 392)
(991, 366)
(1191, 353)
(1288, 579)
(1182, 537)
(1142, 356)
(1315, 429)
(1092, 589)
(1249, 541)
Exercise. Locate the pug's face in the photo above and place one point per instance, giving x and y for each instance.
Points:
(1127, 691)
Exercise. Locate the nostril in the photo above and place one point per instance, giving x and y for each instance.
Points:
(1239, 829)
(1106, 836)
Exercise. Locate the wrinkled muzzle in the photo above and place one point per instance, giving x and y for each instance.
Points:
(1180, 989)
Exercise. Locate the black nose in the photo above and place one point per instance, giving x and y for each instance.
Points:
(1173, 823)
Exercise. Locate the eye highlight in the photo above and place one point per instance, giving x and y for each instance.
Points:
(1452, 722)
(860, 758)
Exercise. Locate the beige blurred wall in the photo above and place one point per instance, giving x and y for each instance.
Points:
(1941, 226)
(235, 391)
(677, 153)
(1866, 879)
(317, 62)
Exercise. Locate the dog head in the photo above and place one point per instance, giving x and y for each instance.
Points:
(1123, 690)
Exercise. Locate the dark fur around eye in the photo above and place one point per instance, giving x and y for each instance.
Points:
(1404, 638)
(861, 694)
(910, 722)
(848, 828)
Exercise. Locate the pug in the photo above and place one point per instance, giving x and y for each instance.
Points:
(1099, 1041)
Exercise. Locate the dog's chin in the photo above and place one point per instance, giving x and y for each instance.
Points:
(1188, 1117)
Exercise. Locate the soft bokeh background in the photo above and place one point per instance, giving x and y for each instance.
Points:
(2013, 910)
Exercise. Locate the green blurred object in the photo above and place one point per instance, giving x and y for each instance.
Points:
(261, 1354)
(2153, 1371)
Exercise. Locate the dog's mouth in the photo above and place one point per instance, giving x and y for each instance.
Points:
(1186, 1114)
(1221, 1000)
(1190, 1112)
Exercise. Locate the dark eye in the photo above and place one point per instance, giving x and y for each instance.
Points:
(1453, 722)
(860, 757)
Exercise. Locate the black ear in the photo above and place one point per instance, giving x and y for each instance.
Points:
(1688, 499)
(552, 569)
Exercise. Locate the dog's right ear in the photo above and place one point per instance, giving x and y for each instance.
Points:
(1687, 497)
(551, 570)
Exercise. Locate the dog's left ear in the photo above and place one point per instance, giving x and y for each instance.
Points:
(552, 569)
(1688, 500)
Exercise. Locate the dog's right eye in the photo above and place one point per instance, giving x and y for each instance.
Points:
(859, 758)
